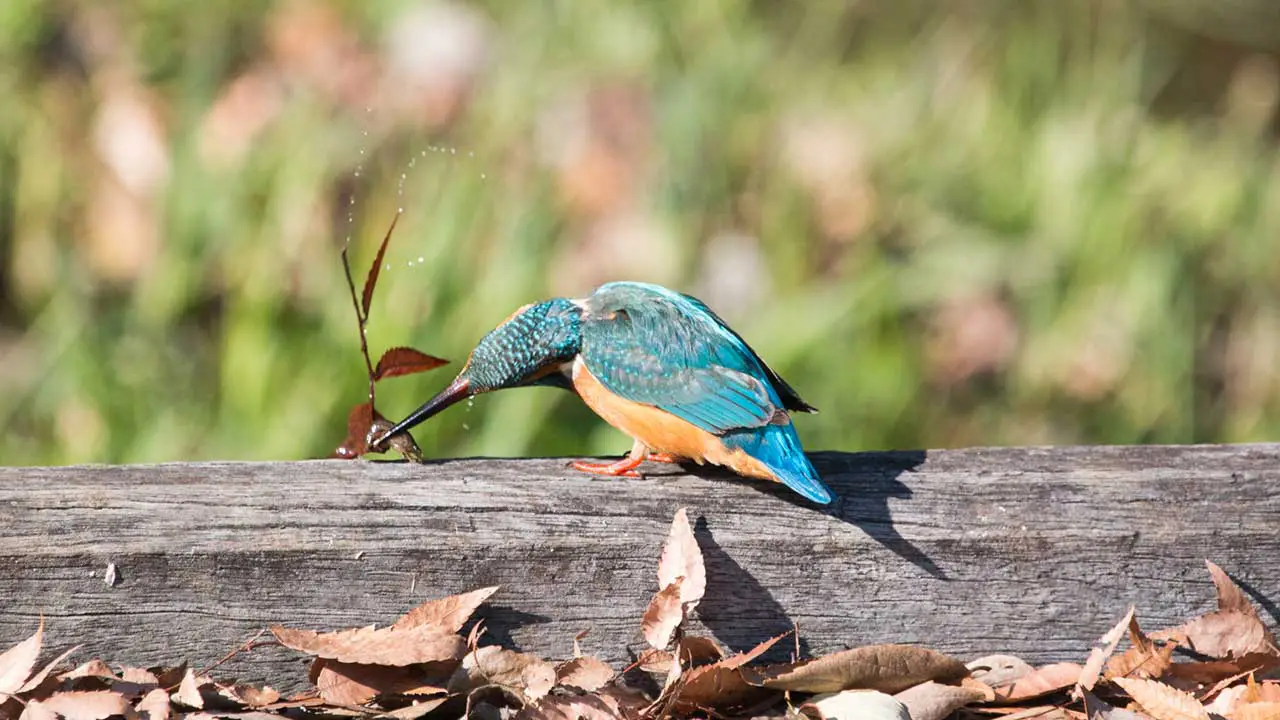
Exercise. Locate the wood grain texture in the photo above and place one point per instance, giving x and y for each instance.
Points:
(1030, 551)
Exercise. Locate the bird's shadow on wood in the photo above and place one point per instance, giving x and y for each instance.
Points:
(862, 483)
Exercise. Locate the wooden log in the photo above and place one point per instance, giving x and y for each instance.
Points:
(1035, 552)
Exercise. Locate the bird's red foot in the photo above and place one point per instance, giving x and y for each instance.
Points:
(666, 458)
(622, 468)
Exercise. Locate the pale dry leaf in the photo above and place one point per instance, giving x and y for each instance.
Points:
(998, 670)
(349, 684)
(697, 650)
(663, 616)
(254, 697)
(93, 705)
(887, 668)
(1044, 680)
(1144, 658)
(1209, 672)
(719, 685)
(682, 559)
(189, 691)
(1230, 597)
(93, 668)
(1101, 652)
(17, 662)
(376, 646)
(154, 705)
(935, 701)
(856, 705)
(1228, 634)
(572, 707)
(1257, 711)
(526, 676)
(35, 710)
(1161, 701)
(1269, 691)
(448, 613)
(417, 709)
(34, 681)
(1225, 700)
(586, 673)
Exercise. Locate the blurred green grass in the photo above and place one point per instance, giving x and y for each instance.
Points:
(994, 223)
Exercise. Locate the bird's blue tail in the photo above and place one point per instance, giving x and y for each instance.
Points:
(778, 447)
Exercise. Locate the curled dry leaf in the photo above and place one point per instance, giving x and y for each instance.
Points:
(447, 613)
(189, 691)
(1161, 701)
(1257, 711)
(405, 361)
(36, 710)
(18, 661)
(1212, 671)
(663, 616)
(585, 673)
(359, 423)
(934, 701)
(682, 560)
(694, 650)
(1235, 630)
(154, 705)
(95, 668)
(1144, 658)
(34, 681)
(887, 668)
(376, 646)
(998, 670)
(856, 705)
(1044, 680)
(525, 676)
(1101, 652)
(1230, 597)
(95, 705)
(349, 684)
(572, 707)
(720, 685)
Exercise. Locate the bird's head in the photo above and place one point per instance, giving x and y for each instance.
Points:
(528, 348)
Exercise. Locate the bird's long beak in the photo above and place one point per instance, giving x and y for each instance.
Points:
(459, 389)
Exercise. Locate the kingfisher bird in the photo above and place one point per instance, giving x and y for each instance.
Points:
(656, 364)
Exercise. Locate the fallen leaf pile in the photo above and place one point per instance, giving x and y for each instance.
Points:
(423, 665)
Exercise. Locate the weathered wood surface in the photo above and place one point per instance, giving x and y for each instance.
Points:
(1030, 551)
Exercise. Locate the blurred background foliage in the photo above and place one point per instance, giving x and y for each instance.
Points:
(982, 222)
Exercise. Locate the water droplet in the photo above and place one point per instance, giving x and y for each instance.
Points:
(386, 266)
(466, 426)
(471, 402)
(419, 259)
(470, 154)
(399, 211)
(483, 176)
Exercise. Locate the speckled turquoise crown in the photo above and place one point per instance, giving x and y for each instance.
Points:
(543, 334)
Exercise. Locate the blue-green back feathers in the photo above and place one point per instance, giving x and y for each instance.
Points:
(657, 347)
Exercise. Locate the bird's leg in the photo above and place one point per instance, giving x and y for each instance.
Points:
(666, 458)
(622, 468)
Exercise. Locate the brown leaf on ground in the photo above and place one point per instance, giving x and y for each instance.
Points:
(1101, 652)
(154, 705)
(694, 650)
(1144, 658)
(585, 673)
(1230, 597)
(17, 662)
(934, 701)
(720, 685)
(417, 709)
(1161, 701)
(94, 705)
(1256, 711)
(170, 677)
(376, 646)
(682, 559)
(95, 668)
(34, 681)
(447, 613)
(1044, 680)
(525, 676)
(856, 705)
(139, 676)
(251, 696)
(189, 691)
(887, 668)
(1233, 631)
(999, 670)
(405, 361)
(35, 710)
(342, 683)
(1212, 671)
(663, 616)
(572, 707)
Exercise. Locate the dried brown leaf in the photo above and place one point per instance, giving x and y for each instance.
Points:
(359, 423)
(935, 701)
(572, 707)
(682, 559)
(720, 685)
(1230, 597)
(696, 650)
(999, 670)
(1101, 652)
(251, 696)
(189, 691)
(94, 705)
(352, 684)
(1161, 701)
(1044, 680)
(1212, 671)
(417, 709)
(376, 646)
(447, 613)
(524, 676)
(405, 361)
(94, 668)
(1144, 658)
(154, 705)
(1228, 634)
(887, 668)
(139, 676)
(34, 681)
(663, 616)
(856, 705)
(17, 662)
(586, 673)
(36, 710)
(1257, 711)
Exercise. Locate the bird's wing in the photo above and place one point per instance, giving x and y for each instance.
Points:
(652, 346)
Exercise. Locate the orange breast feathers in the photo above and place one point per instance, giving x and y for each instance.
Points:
(661, 431)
